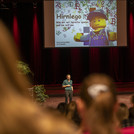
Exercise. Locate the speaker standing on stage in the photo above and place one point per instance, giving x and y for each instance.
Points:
(68, 85)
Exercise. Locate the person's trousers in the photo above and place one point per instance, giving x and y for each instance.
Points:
(68, 94)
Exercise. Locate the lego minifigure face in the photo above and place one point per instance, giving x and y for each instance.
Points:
(98, 23)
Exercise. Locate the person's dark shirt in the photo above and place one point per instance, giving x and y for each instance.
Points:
(127, 123)
(131, 113)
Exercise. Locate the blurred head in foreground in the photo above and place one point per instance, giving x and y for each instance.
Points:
(97, 104)
(18, 114)
(10, 81)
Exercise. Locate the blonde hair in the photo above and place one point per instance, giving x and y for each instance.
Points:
(18, 114)
(9, 78)
(100, 116)
(122, 112)
(71, 109)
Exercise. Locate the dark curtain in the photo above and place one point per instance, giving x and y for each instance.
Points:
(50, 66)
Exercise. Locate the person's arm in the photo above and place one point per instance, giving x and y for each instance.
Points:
(64, 85)
(72, 88)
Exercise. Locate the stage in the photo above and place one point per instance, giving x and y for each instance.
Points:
(54, 101)
(56, 90)
(56, 93)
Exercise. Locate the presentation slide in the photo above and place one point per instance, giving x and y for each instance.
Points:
(85, 23)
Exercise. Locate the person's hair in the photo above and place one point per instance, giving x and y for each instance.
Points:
(100, 115)
(131, 113)
(18, 114)
(62, 107)
(72, 113)
(95, 79)
(8, 65)
(132, 99)
(131, 109)
(122, 112)
(68, 74)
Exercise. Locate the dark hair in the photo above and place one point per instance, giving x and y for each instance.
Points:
(62, 107)
(132, 99)
(131, 113)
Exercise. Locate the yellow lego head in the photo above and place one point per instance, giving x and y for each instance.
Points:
(98, 22)
(97, 19)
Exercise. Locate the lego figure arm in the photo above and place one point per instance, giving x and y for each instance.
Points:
(112, 36)
(85, 38)
(81, 37)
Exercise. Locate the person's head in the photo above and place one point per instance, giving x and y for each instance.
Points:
(72, 113)
(8, 65)
(71, 109)
(62, 107)
(122, 112)
(132, 100)
(19, 115)
(68, 76)
(97, 102)
(72, 106)
(131, 113)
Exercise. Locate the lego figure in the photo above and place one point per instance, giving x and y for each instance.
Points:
(99, 36)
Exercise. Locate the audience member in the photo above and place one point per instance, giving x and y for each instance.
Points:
(72, 113)
(18, 114)
(122, 115)
(62, 108)
(131, 109)
(97, 106)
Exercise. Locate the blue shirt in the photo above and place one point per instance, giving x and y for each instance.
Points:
(66, 82)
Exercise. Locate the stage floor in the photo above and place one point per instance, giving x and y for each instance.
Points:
(54, 101)
(56, 90)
